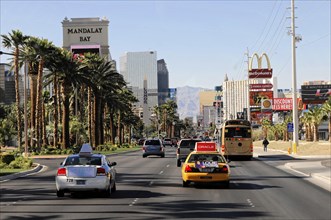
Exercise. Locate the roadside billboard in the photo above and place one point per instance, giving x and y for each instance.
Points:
(256, 97)
(315, 94)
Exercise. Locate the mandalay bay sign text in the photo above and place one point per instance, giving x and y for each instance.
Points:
(84, 30)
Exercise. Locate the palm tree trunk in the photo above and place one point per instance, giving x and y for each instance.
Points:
(112, 127)
(119, 127)
(95, 120)
(44, 136)
(39, 103)
(17, 91)
(33, 98)
(55, 113)
(89, 114)
(65, 117)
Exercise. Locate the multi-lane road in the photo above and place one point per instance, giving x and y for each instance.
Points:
(151, 188)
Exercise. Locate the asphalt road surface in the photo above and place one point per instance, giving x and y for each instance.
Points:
(151, 188)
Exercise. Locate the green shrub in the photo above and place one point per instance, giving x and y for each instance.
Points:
(114, 148)
(21, 162)
(3, 165)
(7, 158)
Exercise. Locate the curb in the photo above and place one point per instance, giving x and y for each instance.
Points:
(21, 174)
(313, 175)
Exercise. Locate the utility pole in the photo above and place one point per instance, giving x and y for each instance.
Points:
(248, 102)
(294, 83)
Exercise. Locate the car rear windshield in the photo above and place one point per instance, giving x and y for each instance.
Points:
(237, 132)
(152, 142)
(206, 157)
(76, 160)
(188, 143)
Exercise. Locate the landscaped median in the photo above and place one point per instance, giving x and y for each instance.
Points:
(12, 162)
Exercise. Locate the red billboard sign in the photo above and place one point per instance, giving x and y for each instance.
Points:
(261, 86)
(260, 73)
(282, 104)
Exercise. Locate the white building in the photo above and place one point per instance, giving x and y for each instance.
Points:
(235, 98)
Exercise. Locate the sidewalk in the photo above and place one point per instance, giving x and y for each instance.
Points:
(316, 168)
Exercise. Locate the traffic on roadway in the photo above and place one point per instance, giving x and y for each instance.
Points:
(152, 188)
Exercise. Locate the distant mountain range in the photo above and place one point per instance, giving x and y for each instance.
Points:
(188, 101)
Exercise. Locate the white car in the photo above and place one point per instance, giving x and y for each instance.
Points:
(86, 171)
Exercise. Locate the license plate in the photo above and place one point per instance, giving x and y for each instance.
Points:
(80, 182)
(206, 177)
(207, 170)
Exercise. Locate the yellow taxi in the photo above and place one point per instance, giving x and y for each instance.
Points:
(205, 165)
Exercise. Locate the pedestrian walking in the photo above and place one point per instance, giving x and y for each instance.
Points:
(265, 144)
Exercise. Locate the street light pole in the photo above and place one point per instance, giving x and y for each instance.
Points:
(294, 85)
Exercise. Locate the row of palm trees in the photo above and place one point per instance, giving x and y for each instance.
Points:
(86, 88)
(309, 122)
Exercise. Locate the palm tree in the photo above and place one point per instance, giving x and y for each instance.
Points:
(316, 115)
(69, 75)
(14, 41)
(43, 48)
(326, 109)
(307, 121)
(266, 124)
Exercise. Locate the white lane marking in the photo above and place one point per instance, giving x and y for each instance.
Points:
(151, 183)
(168, 165)
(161, 172)
(251, 204)
(134, 202)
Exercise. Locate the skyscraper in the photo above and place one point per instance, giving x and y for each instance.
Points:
(163, 81)
(135, 67)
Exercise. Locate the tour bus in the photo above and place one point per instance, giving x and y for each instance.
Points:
(236, 139)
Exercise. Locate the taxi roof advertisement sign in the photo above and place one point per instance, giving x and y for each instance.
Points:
(205, 146)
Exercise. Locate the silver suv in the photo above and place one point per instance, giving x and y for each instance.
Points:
(185, 147)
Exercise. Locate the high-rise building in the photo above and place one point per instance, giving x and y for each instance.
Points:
(163, 81)
(7, 85)
(135, 67)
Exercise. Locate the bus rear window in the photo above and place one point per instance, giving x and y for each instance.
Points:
(239, 132)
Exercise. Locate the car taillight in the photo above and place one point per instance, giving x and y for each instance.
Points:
(101, 171)
(252, 148)
(178, 150)
(224, 169)
(61, 171)
(144, 148)
(188, 169)
(223, 148)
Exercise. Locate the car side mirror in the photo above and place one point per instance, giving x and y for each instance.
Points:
(61, 163)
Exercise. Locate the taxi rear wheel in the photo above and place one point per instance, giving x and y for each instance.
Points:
(59, 193)
(227, 184)
(185, 183)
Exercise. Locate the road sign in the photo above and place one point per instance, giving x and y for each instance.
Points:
(290, 127)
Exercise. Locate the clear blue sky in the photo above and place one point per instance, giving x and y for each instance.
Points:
(201, 41)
